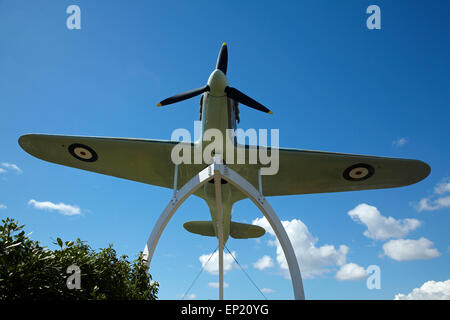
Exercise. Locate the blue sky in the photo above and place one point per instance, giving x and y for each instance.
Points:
(333, 85)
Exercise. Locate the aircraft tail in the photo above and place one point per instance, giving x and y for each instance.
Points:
(237, 230)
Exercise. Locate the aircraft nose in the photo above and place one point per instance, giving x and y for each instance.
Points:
(217, 83)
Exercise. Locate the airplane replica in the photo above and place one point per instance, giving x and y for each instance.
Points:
(219, 181)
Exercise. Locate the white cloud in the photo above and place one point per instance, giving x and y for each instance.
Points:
(61, 208)
(443, 187)
(2, 206)
(430, 290)
(191, 296)
(314, 261)
(267, 290)
(434, 202)
(407, 249)
(263, 263)
(213, 265)
(380, 227)
(216, 284)
(351, 271)
(399, 142)
(427, 204)
(2, 170)
(11, 166)
(443, 202)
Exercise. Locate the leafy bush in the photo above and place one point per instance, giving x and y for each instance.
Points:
(30, 271)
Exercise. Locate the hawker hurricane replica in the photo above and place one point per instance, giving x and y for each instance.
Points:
(150, 161)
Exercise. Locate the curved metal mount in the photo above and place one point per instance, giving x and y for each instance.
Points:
(218, 170)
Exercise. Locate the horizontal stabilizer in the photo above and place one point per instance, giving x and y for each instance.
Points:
(204, 228)
(245, 231)
(237, 230)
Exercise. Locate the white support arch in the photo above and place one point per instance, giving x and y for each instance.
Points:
(217, 171)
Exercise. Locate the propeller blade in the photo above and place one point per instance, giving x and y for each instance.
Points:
(183, 96)
(222, 59)
(240, 97)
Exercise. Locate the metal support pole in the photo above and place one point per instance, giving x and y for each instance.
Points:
(219, 209)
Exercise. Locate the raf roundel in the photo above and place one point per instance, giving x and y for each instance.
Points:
(83, 152)
(359, 172)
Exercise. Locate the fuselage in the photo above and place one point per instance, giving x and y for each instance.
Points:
(218, 112)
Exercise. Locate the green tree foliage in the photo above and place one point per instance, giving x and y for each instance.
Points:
(30, 271)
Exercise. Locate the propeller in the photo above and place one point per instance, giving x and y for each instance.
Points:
(183, 96)
(233, 93)
(240, 97)
(222, 59)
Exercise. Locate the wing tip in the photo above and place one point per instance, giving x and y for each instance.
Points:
(426, 169)
(28, 142)
(24, 141)
(419, 171)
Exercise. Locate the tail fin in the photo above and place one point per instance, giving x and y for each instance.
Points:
(245, 231)
(204, 228)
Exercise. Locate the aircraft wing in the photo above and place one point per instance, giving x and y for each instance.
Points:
(146, 161)
(302, 172)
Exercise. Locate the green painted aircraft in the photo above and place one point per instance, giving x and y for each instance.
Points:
(149, 161)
